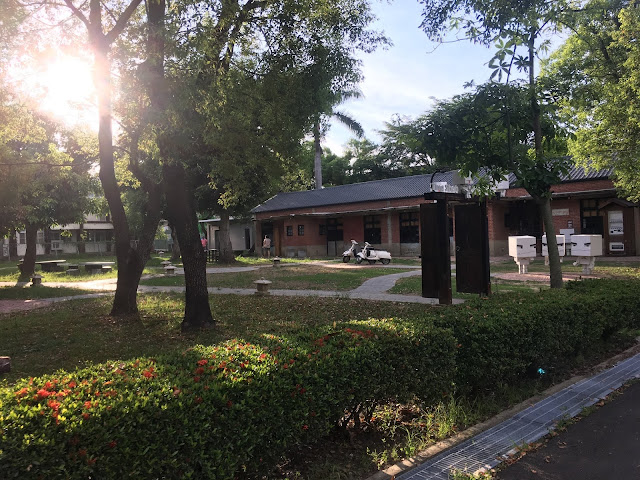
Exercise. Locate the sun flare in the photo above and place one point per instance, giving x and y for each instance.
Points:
(62, 85)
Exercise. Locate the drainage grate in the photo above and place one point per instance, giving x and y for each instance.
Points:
(485, 449)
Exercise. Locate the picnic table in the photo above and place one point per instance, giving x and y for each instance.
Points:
(51, 265)
(98, 267)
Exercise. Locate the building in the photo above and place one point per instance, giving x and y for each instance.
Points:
(241, 233)
(94, 235)
(385, 213)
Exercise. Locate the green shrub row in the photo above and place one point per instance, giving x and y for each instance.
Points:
(506, 337)
(212, 412)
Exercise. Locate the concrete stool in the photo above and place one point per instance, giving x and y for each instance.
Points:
(276, 261)
(169, 269)
(36, 280)
(5, 364)
(262, 287)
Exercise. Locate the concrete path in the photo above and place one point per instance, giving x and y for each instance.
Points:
(373, 289)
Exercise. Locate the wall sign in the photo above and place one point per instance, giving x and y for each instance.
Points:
(616, 223)
(560, 212)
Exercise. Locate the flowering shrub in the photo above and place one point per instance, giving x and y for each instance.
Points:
(213, 411)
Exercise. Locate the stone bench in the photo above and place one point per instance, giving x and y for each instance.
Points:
(106, 268)
(169, 269)
(73, 269)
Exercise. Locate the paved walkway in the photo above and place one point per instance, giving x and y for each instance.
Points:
(372, 289)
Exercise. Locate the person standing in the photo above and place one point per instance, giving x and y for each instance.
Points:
(266, 246)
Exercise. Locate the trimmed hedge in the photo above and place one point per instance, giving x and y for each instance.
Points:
(506, 337)
(212, 412)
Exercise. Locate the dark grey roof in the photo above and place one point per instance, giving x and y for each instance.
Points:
(388, 189)
(577, 174)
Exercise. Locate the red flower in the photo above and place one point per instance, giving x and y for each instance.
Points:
(87, 405)
(43, 394)
(202, 362)
(198, 399)
(22, 392)
(148, 373)
(229, 404)
(53, 405)
(263, 356)
(285, 366)
(305, 427)
(196, 379)
(86, 416)
(82, 452)
(91, 461)
(112, 444)
(222, 365)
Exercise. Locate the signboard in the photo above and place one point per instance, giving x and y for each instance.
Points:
(560, 212)
(5, 250)
(616, 224)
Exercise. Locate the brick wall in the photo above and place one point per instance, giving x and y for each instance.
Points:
(585, 186)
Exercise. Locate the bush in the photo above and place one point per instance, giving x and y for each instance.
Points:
(506, 337)
(214, 411)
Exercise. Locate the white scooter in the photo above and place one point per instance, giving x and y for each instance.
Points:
(351, 252)
(372, 256)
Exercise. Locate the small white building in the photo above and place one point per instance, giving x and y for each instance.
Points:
(241, 231)
(94, 235)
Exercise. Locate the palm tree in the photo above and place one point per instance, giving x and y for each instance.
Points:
(319, 130)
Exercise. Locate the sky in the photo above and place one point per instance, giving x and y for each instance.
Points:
(406, 78)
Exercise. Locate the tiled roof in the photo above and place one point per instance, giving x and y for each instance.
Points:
(388, 189)
(576, 174)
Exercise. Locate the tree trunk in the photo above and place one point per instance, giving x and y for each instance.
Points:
(555, 268)
(13, 245)
(226, 249)
(317, 164)
(81, 239)
(182, 215)
(175, 245)
(29, 262)
(47, 241)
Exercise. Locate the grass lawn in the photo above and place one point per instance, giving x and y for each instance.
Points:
(413, 286)
(294, 277)
(603, 268)
(9, 270)
(41, 291)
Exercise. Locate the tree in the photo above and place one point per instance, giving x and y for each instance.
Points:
(512, 25)
(594, 76)
(47, 184)
(320, 126)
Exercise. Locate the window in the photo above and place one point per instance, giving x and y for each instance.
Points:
(22, 238)
(40, 237)
(300, 230)
(289, 230)
(409, 227)
(323, 229)
(372, 232)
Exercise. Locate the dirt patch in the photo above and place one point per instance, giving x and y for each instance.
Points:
(540, 276)
(8, 306)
